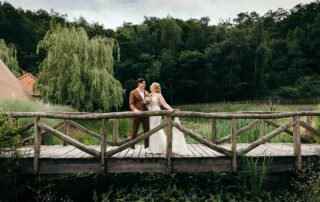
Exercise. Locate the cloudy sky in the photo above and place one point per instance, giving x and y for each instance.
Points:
(112, 13)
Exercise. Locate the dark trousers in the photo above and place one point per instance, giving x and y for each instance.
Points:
(135, 127)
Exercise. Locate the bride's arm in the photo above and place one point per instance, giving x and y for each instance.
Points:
(164, 103)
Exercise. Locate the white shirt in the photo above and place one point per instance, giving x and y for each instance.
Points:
(141, 93)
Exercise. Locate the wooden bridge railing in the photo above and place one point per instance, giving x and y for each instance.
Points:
(261, 118)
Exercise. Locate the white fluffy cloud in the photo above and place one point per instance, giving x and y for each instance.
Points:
(112, 13)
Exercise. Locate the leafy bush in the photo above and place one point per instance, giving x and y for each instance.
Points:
(8, 139)
(8, 143)
(306, 186)
(304, 87)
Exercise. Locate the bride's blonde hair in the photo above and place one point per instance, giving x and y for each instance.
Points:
(156, 87)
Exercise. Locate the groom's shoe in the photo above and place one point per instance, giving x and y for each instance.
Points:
(146, 143)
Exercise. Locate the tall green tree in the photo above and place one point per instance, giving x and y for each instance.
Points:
(78, 71)
(8, 55)
(262, 57)
(171, 39)
(171, 34)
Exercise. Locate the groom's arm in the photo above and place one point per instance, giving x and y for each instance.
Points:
(131, 102)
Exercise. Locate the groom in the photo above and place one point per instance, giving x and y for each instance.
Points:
(136, 103)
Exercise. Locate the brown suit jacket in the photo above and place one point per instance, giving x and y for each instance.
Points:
(136, 101)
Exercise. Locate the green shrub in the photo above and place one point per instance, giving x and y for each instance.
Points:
(306, 187)
(304, 87)
(8, 139)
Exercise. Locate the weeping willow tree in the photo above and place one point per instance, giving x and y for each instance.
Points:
(8, 55)
(78, 71)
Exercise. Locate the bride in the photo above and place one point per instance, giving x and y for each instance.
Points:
(158, 140)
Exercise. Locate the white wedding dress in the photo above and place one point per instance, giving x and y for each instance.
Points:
(158, 140)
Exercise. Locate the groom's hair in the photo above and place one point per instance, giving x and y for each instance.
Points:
(139, 80)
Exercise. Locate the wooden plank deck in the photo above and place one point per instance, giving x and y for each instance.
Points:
(68, 159)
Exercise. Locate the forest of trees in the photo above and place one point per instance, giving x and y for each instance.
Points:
(276, 55)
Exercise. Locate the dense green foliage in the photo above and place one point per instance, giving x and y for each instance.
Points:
(24, 29)
(78, 71)
(146, 187)
(250, 57)
(177, 187)
(8, 55)
(8, 139)
(306, 185)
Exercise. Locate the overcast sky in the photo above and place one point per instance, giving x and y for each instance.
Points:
(112, 14)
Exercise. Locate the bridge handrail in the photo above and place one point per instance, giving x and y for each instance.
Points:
(261, 118)
(114, 115)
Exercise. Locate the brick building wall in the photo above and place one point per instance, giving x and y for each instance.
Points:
(27, 81)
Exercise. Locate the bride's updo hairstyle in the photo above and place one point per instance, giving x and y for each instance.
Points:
(156, 87)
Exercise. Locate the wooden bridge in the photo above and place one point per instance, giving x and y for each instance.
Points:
(212, 154)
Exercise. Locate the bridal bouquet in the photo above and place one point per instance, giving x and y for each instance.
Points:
(147, 100)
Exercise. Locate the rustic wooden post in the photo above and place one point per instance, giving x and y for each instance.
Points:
(308, 132)
(104, 132)
(214, 131)
(297, 143)
(37, 144)
(262, 128)
(169, 145)
(66, 130)
(115, 130)
(234, 163)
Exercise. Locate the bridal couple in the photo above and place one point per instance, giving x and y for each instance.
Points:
(138, 101)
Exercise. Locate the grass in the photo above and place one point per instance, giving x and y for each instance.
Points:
(203, 126)
(257, 178)
(221, 107)
(15, 105)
